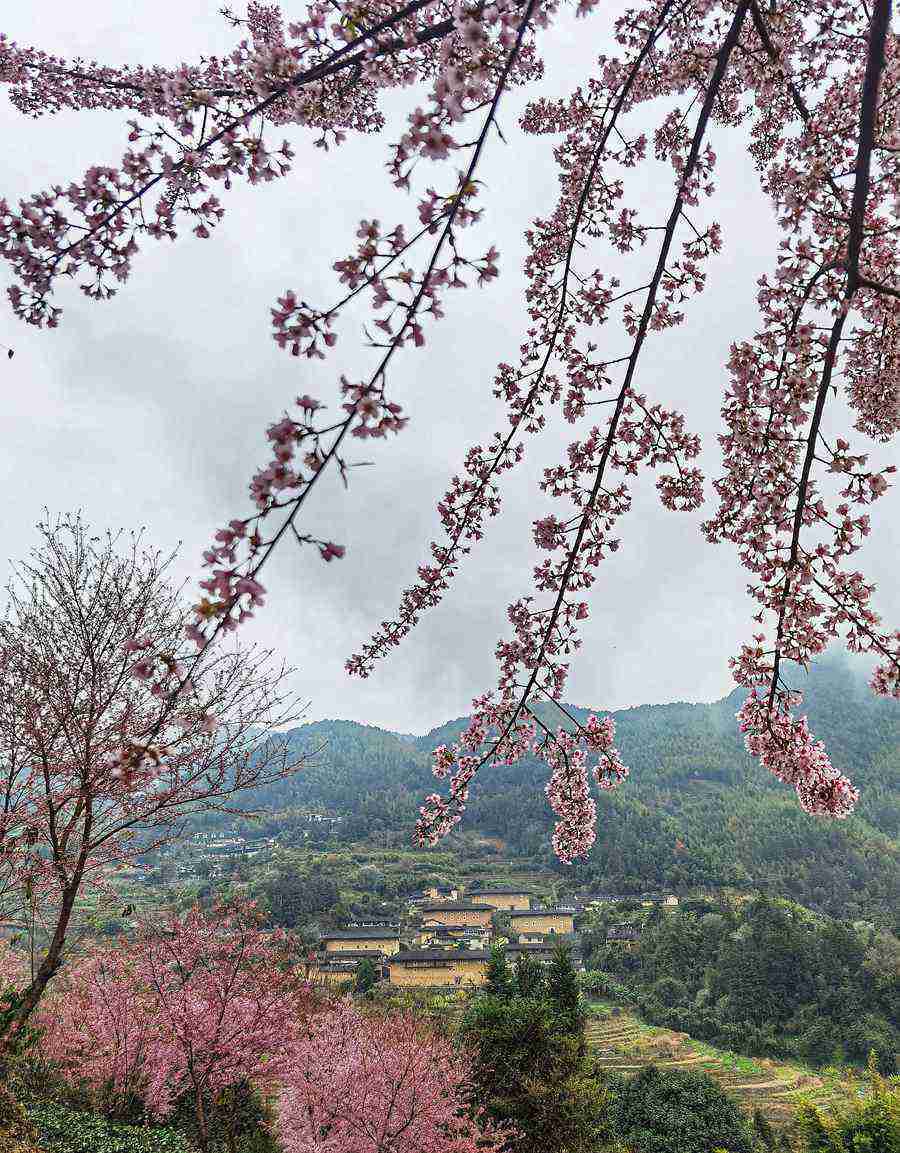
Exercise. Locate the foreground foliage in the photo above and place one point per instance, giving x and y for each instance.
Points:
(869, 1126)
(679, 1111)
(61, 1129)
(530, 1068)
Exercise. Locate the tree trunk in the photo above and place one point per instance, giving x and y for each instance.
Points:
(232, 1123)
(32, 995)
(200, 1113)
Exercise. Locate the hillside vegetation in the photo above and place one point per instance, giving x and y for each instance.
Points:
(695, 811)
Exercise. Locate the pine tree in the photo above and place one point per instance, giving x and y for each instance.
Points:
(529, 976)
(563, 990)
(500, 981)
(367, 977)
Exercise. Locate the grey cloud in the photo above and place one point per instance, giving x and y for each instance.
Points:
(151, 409)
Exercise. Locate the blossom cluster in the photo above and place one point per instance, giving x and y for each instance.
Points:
(792, 499)
(501, 731)
(201, 997)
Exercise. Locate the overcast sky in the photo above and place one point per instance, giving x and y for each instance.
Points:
(151, 409)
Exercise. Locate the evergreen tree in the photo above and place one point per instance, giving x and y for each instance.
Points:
(677, 1111)
(529, 976)
(530, 1075)
(367, 977)
(499, 979)
(563, 990)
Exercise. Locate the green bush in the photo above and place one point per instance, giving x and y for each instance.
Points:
(871, 1125)
(677, 1111)
(63, 1130)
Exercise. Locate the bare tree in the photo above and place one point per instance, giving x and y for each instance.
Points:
(101, 760)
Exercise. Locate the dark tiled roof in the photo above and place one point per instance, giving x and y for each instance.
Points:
(360, 934)
(448, 955)
(351, 955)
(501, 890)
(541, 913)
(454, 907)
(529, 947)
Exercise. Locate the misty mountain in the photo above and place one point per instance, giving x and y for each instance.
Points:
(696, 810)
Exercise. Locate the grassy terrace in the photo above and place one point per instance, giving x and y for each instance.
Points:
(624, 1043)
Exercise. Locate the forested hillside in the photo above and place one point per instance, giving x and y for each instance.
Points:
(760, 976)
(694, 811)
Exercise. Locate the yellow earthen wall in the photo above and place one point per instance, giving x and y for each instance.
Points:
(455, 972)
(507, 901)
(541, 923)
(387, 947)
(318, 977)
(458, 917)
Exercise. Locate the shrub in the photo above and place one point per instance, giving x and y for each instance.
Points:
(64, 1130)
(677, 1111)
(869, 1126)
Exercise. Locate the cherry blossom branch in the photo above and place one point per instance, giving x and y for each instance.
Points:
(567, 789)
(340, 59)
(875, 61)
(483, 497)
(230, 585)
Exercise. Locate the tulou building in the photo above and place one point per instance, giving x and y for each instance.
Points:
(445, 968)
(457, 913)
(503, 897)
(534, 924)
(382, 941)
(452, 936)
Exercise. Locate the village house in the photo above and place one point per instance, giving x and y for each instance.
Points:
(667, 900)
(533, 937)
(381, 941)
(433, 894)
(336, 968)
(501, 897)
(457, 913)
(450, 936)
(442, 893)
(543, 951)
(627, 936)
(438, 968)
(542, 921)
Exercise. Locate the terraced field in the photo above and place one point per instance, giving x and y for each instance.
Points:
(622, 1042)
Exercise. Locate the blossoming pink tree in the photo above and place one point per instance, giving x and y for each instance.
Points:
(96, 767)
(196, 1005)
(812, 84)
(378, 1084)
